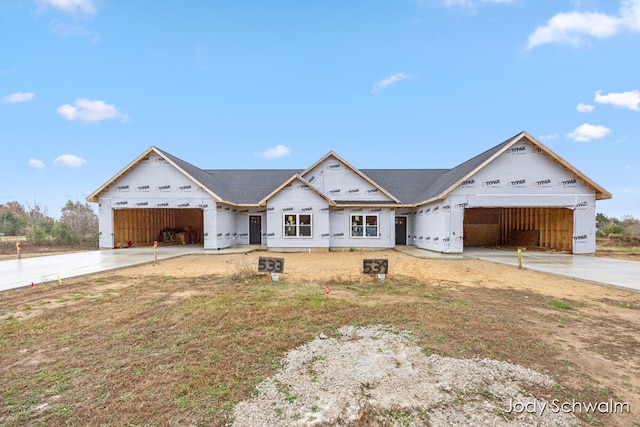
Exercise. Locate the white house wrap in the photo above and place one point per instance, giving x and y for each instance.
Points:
(518, 193)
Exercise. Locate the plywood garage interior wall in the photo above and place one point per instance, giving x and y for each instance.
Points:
(550, 228)
(143, 226)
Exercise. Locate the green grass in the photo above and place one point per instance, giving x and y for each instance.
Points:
(142, 356)
(560, 305)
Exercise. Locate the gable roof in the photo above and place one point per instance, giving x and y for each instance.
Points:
(354, 170)
(190, 171)
(295, 177)
(450, 179)
(248, 186)
(254, 187)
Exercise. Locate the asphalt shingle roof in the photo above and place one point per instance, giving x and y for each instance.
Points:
(410, 186)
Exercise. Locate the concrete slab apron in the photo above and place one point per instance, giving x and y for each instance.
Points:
(607, 271)
(23, 272)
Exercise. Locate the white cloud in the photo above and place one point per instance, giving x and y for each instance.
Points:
(585, 108)
(587, 132)
(577, 27)
(550, 136)
(74, 7)
(384, 83)
(276, 152)
(630, 100)
(69, 160)
(18, 97)
(36, 164)
(86, 110)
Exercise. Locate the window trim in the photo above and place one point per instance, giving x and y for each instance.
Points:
(364, 226)
(297, 225)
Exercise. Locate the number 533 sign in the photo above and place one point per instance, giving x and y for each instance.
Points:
(375, 266)
(270, 265)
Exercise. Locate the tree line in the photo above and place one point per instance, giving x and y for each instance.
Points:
(78, 223)
(606, 225)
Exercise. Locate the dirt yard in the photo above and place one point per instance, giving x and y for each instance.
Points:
(184, 341)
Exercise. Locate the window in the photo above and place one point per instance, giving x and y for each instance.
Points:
(364, 225)
(297, 225)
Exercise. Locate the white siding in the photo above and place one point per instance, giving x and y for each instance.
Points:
(209, 218)
(584, 225)
(522, 171)
(297, 198)
(154, 183)
(410, 215)
(525, 176)
(338, 182)
(105, 223)
(341, 228)
(433, 227)
(225, 226)
(242, 224)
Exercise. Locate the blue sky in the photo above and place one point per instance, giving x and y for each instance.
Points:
(87, 85)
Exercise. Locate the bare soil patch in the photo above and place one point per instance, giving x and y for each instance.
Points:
(182, 343)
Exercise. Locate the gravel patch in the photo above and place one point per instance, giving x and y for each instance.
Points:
(380, 375)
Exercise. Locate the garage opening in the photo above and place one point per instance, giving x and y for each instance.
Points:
(548, 228)
(167, 226)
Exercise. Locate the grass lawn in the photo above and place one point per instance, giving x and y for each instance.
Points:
(164, 350)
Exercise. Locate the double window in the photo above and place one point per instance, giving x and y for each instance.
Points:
(297, 225)
(364, 225)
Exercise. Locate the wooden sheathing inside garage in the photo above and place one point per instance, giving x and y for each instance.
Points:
(143, 226)
(550, 228)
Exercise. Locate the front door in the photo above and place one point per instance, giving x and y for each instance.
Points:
(401, 230)
(255, 229)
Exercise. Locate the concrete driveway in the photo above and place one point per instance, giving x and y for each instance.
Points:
(611, 272)
(23, 272)
(19, 273)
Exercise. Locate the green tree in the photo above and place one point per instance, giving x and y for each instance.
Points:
(613, 228)
(602, 221)
(60, 232)
(10, 223)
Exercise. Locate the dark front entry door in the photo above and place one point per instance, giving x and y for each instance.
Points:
(401, 230)
(255, 229)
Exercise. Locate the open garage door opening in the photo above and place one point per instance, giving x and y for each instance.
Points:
(545, 228)
(141, 227)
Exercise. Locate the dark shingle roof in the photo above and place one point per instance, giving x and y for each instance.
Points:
(406, 184)
(249, 186)
(410, 186)
(450, 177)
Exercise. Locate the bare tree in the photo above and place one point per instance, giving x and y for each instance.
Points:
(80, 220)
